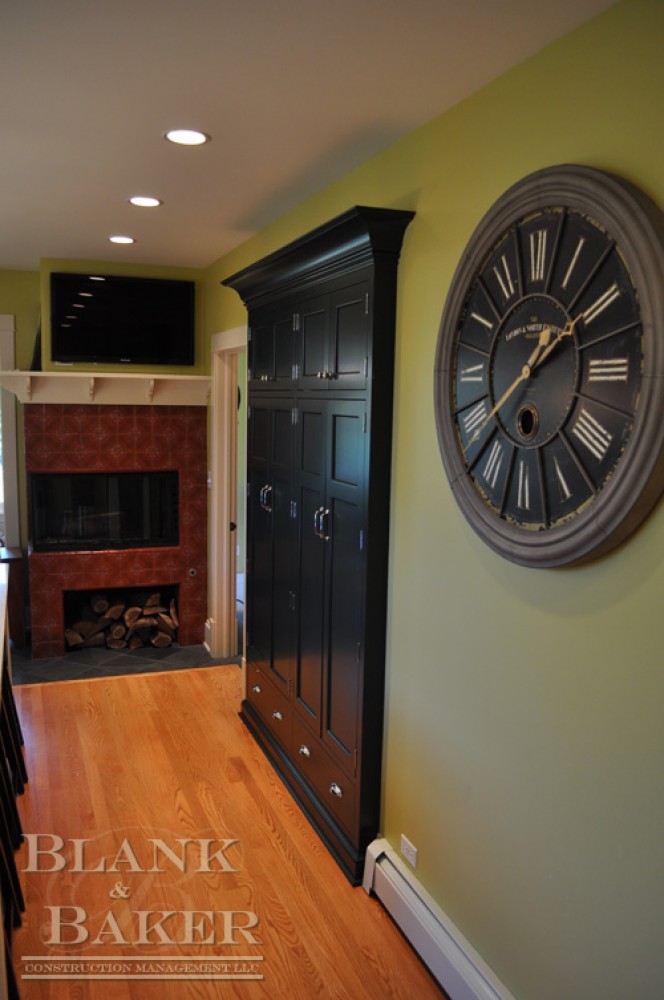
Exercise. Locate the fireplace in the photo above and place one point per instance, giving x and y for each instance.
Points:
(152, 443)
(103, 510)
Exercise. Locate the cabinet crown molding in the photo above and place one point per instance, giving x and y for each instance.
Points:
(358, 238)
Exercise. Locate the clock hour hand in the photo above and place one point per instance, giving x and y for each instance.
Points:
(526, 372)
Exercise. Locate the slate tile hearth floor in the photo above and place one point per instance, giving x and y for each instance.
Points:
(87, 663)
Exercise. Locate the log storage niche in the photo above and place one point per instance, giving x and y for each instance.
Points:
(121, 619)
(320, 386)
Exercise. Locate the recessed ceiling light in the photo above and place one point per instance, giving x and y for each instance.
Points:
(186, 136)
(145, 201)
(121, 239)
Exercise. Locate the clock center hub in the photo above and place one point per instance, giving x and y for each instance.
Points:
(526, 348)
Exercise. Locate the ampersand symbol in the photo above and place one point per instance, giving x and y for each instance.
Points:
(119, 891)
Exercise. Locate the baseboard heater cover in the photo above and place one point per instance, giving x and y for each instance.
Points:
(441, 946)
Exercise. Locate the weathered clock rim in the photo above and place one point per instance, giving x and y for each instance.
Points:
(637, 225)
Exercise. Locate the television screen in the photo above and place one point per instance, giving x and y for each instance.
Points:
(107, 318)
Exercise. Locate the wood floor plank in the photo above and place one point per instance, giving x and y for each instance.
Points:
(121, 763)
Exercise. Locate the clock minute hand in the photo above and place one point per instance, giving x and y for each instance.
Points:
(566, 331)
(526, 372)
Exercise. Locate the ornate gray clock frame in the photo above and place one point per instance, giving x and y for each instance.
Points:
(549, 370)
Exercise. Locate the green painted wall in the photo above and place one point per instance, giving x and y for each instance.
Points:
(524, 738)
(19, 297)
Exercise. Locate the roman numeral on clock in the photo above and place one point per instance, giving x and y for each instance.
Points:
(474, 417)
(482, 319)
(592, 434)
(602, 303)
(538, 255)
(473, 373)
(608, 370)
(565, 492)
(491, 470)
(523, 489)
(572, 263)
(504, 278)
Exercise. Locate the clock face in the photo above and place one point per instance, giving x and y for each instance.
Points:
(548, 405)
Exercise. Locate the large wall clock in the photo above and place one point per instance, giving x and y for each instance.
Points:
(549, 374)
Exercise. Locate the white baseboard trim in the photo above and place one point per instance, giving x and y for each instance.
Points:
(451, 959)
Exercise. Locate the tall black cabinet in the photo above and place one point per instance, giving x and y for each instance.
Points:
(320, 377)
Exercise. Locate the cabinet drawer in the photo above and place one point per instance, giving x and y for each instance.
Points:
(273, 707)
(335, 790)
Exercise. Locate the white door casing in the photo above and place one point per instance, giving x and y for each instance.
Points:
(221, 631)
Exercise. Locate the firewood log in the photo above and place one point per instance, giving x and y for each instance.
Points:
(73, 638)
(99, 603)
(160, 640)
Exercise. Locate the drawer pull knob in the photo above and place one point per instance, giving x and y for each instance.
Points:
(304, 750)
(278, 716)
(257, 689)
(337, 790)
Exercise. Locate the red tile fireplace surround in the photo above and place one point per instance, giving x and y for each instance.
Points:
(96, 438)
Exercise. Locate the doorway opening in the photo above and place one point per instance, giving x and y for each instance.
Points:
(225, 625)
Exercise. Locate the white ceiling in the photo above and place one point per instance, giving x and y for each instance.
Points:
(294, 93)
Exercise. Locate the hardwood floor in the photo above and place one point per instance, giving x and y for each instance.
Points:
(118, 764)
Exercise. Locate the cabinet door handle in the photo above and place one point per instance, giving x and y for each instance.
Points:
(337, 790)
(325, 525)
(318, 522)
(257, 689)
(265, 492)
(278, 716)
(304, 750)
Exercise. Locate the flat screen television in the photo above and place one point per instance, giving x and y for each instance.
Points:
(101, 318)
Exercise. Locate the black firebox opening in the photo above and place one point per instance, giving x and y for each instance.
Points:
(103, 510)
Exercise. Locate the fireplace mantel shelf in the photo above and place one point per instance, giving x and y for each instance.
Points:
(107, 387)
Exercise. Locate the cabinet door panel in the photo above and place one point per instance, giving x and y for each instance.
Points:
(310, 471)
(345, 500)
(270, 563)
(284, 349)
(311, 443)
(313, 341)
(271, 349)
(309, 674)
(283, 603)
(346, 429)
(261, 349)
(281, 440)
(349, 337)
(343, 647)
(259, 573)
(259, 437)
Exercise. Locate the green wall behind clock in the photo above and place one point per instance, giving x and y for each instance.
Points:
(524, 744)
